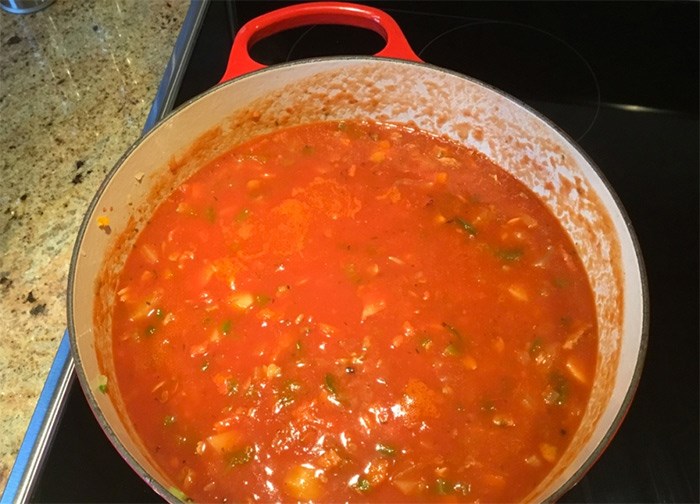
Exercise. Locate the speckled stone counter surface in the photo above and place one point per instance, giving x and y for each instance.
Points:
(76, 83)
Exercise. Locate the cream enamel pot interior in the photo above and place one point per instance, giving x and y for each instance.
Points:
(387, 90)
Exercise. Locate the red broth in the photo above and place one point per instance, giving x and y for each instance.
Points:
(354, 312)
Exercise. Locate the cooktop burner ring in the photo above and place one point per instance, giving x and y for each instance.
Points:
(548, 67)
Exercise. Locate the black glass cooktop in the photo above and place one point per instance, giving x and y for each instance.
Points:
(621, 79)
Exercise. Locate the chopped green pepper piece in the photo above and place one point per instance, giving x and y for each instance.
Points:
(240, 457)
(443, 487)
(330, 383)
(179, 494)
(467, 226)
(385, 449)
(363, 485)
(557, 392)
(226, 327)
(510, 254)
(150, 330)
(451, 350)
(168, 420)
(456, 346)
(102, 384)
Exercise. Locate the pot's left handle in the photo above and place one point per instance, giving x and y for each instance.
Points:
(339, 13)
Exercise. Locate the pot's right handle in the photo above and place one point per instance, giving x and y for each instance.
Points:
(339, 13)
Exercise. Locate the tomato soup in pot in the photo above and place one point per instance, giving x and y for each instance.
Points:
(354, 311)
(356, 279)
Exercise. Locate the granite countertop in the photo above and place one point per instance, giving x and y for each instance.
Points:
(76, 83)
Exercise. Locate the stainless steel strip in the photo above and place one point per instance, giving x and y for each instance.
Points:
(175, 70)
(42, 425)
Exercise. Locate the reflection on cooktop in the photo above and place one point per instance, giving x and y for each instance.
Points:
(531, 64)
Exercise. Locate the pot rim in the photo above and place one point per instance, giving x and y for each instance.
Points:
(166, 493)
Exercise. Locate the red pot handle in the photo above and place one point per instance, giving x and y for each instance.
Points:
(240, 62)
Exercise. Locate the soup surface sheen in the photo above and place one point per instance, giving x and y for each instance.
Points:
(352, 312)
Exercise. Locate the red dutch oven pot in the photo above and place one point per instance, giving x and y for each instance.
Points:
(393, 86)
